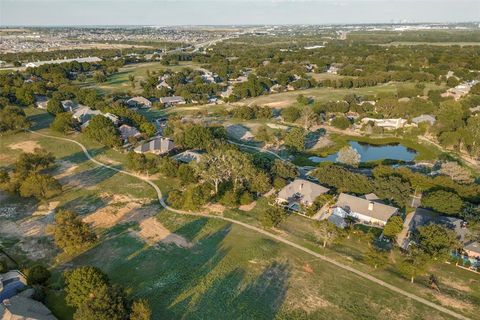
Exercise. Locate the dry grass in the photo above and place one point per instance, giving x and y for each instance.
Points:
(25, 146)
(152, 232)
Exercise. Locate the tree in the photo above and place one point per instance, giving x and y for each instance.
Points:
(376, 258)
(63, 123)
(272, 216)
(82, 283)
(107, 303)
(295, 139)
(349, 156)
(308, 118)
(54, 106)
(325, 231)
(456, 172)
(40, 186)
(290, 114)
(393, 227)
(186, 174)
(284, 169)
(12, 118)
(99, 77)
(33, 162)
(102, 130)
(140, 310)
(415, 264)
(443, 201)
(37, 275)
(342, 179)
(71, 233)
(393, 188)
(436, 240)
(341, 122)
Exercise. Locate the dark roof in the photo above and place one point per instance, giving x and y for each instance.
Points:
(337, 221)
(423, 217)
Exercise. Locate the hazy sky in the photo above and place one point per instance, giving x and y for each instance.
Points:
(227, 12)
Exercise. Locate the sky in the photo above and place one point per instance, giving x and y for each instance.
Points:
(231, 12)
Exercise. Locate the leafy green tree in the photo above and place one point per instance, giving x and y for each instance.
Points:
(414, 264)
(82, 283)
(12, 118)
(99, 77)
(393, 188)
(168, 166)
(37, 275)
(140, 310)
(33, 162)
(63, 123)
(54, 106)
(349, 156)
(102, 130)
(186, 174)
(295, 139)
(107, 303)
(40, 186)
(341, 122)
(71, 233)
(376, 258)
(436, 240)
(443, 201)
(343, 180)
(272, 216)
(284, 169)
(308, 118)
(393, 227)
(290, 114)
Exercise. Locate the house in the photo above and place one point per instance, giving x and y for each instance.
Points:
(423, 217)
(112, 117)
(363, 209)
(139, 102)
(239, 132)
(163, 84)
(300, 192)
(11, 283)
(188, 156)
(83, 114)
(172, 101)
(424, 118)
(460, 90)
(20, 307)
(127, 131)
(472, 249)
(41, 102)
(69, 105)
(158, 145)
(388, 124)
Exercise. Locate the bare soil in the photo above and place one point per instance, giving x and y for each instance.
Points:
(25, 146)
(248, 207)
(152, 232)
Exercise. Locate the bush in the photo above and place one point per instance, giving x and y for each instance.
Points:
(341, 122)
(37, 275)
(229, 199)
(246, 198)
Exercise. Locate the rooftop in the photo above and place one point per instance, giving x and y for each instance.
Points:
(365, 207)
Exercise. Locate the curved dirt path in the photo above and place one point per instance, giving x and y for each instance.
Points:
(268, 234)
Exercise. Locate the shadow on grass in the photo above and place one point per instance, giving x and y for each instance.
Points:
(84, 204)
(88, 178)
(40, 121)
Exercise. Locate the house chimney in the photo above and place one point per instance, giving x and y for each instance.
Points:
(301, 186)
(370, 206)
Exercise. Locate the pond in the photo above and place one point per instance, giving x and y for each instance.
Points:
(371, 152)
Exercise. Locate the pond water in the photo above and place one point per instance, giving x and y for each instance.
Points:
(371, 152)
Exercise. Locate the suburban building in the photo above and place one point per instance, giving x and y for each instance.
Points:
(424, 118)
(172, 101)
(423, 217)
(112, 117)
(163, 84)
(11, 283)
(459, 91)
(158, 145)
(472, 250)
(188, 156)
(41, 102)
(84, 114)
(39, 63)
(127, 131)
(300, 192)
(21, 307)
(139, 102)
(367, 209)
(389, 124)
(69, 105)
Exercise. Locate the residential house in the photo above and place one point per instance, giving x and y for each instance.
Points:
(388, 124)
(172, 101)
(20, 307)
(69, 105)
(460, 90)
(472, 250)
(127, 131)
(41, 102)
(424, 118)
(139, 102)
(112, 117)
(11, 283)
(423, 217)
(83, 114)
(300, 192)
(163, 84)
(363, 209)
(188, 156)
(240, 132)
(158, 145)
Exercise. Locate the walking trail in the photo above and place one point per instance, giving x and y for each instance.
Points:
(268, 234)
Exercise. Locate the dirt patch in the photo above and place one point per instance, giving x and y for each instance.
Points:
(118, 208)
(152, 232)
(453, 303)
(215, 207)
(25, 146)
(36, 249)
(32, 227)
(307, 268)
(248, 207)
(47, 209)
(323, 142)
(107, 160)
(279, 104)
(66, 168)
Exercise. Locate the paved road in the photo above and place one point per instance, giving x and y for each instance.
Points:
(267, 234)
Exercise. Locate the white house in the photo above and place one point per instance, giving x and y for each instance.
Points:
(139, 102)
(389, 124)
(171, 101)
(84, 114)
(365, 210)
(299, 193)
(158, 145)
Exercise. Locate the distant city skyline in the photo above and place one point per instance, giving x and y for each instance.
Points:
(232, 12)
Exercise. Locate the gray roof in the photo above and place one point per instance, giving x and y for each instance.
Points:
(423, 217)
(188, 156)
(424, 118)
(302, 191)
(127, 131)
(158, 145)
(338, 221)
(359, 205)
(173, 99)
(19, 307)
(84, 113)
(473, 246)
(139, 101)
